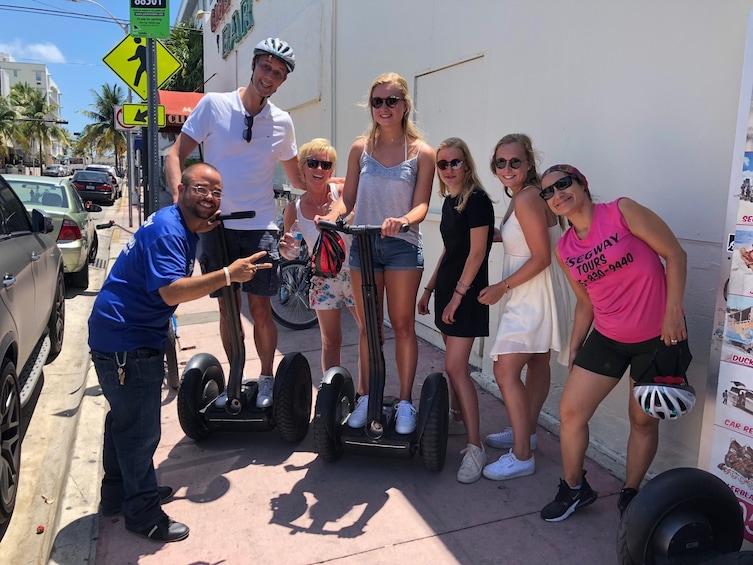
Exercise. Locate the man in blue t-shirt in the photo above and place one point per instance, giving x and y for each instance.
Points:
(127, 333)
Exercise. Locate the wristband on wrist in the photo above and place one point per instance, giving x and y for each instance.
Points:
(227, 276)
(507, 286)
(429, 289)
(463, 285)
(456, 291)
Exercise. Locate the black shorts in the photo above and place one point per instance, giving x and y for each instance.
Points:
(646, 359)
(242, 243)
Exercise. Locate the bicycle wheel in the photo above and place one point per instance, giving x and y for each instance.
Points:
(171, 358)
(290, 306)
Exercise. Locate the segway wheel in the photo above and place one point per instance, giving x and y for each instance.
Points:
(292, 397)
(203, 381)
(680, 516)
(171, 359)
(336, 399)
(433, 413)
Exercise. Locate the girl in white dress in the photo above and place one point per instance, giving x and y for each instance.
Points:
(535, 308)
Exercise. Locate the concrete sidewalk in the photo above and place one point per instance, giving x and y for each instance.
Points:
(254, 497)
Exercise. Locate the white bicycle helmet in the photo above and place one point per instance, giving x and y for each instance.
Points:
(277, 48)
(665, 402)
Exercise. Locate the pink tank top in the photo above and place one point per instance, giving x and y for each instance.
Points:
(623, 276)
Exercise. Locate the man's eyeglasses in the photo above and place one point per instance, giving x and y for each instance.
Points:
(204, 191)
(514, 163)
(455, 164)
(561, 184)
(391, 101)
(249, 126)
(314, 163)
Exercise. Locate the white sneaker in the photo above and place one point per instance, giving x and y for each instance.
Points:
(472, 465)
(405, 421)
(505, 439)
(264, 395)
(357, 418)
(509, 467)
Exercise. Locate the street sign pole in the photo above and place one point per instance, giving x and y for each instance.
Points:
(129, 168)
(153, 125)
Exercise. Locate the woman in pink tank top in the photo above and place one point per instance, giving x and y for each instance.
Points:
(612, 257)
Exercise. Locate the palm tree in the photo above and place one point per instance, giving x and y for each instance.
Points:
(187, 44)
(36, 121)
(8, 118)
(102, 135)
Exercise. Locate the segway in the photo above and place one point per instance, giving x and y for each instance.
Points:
(336, 398)
(205, 405)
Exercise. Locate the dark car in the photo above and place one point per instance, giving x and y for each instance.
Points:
(32, 316)
(110, 170)
(94, 185)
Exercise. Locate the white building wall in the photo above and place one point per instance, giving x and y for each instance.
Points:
(641, 96)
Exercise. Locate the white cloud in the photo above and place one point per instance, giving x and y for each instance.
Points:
(33, 53)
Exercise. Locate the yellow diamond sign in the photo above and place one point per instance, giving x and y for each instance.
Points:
(128, 60)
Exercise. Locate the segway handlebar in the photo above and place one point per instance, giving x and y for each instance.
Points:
(356, 229)
(236, 216)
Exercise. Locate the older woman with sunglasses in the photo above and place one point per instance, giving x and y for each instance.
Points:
(389, 178)
(534, 313)
(612, 257)
(467, 228)
(327, 296)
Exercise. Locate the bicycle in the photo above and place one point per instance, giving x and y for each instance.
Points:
(171, 354)
(290, 305)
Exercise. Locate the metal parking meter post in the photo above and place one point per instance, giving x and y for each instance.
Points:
(152, 125)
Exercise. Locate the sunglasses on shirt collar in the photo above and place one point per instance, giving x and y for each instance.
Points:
(249, 128)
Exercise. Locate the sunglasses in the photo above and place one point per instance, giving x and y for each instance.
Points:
(454, 164)
(561, 184)
(250, 126)
(391, 101)
(314, 163)
(514, 163)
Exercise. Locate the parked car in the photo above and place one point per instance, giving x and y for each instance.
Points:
(110, 170)
(54, 171)
(94, 185)
(74, 226)
(32, 316)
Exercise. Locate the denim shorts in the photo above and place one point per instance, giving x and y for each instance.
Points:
(242, 243)
(646, 359)
(389, 254)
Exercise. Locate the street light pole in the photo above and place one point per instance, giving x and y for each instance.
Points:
(129, 134)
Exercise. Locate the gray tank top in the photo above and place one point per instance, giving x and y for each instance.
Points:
(387, 192)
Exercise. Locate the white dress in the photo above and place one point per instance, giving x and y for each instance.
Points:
(535, 316)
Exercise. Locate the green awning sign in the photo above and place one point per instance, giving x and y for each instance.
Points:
(150, 19)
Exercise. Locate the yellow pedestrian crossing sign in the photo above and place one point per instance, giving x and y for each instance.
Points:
(128, 60)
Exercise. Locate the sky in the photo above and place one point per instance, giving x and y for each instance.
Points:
(71, 39)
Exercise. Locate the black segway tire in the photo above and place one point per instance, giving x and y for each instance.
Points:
(671, 496)
(336, 399)
(292, 397)
(203, 381)
(171, 359)
(433, 413)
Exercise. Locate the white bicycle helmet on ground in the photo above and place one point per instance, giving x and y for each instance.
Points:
(665, 402)
(277, 48)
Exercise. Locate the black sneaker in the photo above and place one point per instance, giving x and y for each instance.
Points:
(568, 500)
(166, 530)
(626, 496)
(165, 492)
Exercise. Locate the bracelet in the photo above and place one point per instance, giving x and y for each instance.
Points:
(227, 276)
(507, 285)
(406, 219)
(462, 285)
(429, 289)
(456, 291)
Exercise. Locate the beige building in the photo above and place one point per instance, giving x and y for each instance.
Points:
(642, 96)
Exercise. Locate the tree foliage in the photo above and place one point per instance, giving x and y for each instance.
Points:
(101, 135)
(187, 45)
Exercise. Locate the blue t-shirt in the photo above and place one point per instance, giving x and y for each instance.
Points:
(129, 312)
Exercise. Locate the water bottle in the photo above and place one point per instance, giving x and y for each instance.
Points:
(295, 248)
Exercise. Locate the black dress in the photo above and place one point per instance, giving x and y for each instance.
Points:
(471, 317)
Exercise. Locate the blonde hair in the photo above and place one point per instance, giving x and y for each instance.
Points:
(470, 176)
(316, 145)
(532, 157)
(409, 128)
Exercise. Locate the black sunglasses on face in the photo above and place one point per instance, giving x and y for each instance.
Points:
(454, 164)
(314, 163)
(514, 163)
(249, 125)
(561, 184)
(391, 101)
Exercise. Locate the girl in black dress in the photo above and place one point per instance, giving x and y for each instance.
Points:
(462, 271)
